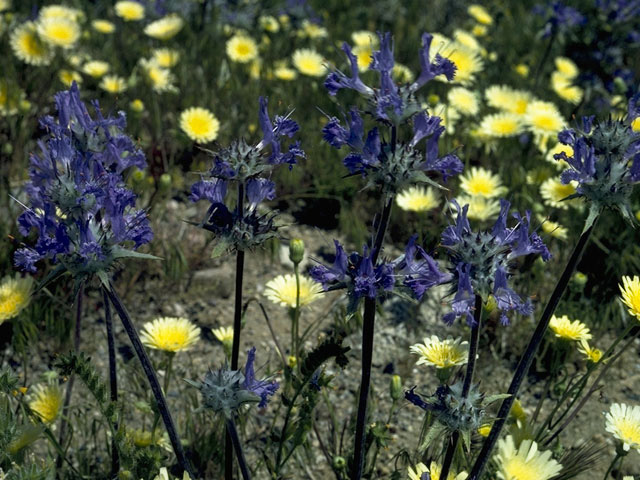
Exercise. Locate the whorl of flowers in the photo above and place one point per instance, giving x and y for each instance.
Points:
(480, 262)
(226, 390)
(605, 162)
(78, 203)
(247, 164)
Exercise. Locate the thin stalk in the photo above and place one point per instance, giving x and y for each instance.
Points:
(615, 460)
(235, 440)
(474, 340)
(295, 346)
(76, 347)
(113, 377)
(528, 356)
(152, 378)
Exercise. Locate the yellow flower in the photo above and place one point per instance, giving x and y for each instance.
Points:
(465, 38)
(522, 70)
(544, 118)
(566, 67)
(129, 10)
(113, 84)
(553, 191)
(630, 290)
(507, 99)
(224, 335)
(468, 62)
(593, 354)
(401, 73)
(171, 334)
(164, 28)
(479, 30)
(165, 57)
(566, 329)
(556, 149)
(416, 472)
(480, 208)
(285, 73)
(69, 76)
(283, 290)
(553, 228)
(28, 47)
(103, 26)
(449, 116)
(137, 105)
(46, 402)
(517, 411)
(623, 422)
(441, 353)
(524, 462)
(484, 430)
(364, 38)
(61, 11)
(501, 125)
(199, 124)
(563, 88)
(15, 294)
(58, 31)
(309, 62)
(269, 23)
(480, 181)
(242, 49)
(463, 100)
(160, 79)
(313, 30)
(95, 68)
(363, 56)
(434, 470)
(417, 199)
(480, 14)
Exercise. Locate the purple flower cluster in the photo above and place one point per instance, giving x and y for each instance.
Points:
(558, 17)
(78, 203)
(480, 262)
(262, 388)
(605, 161)
(247, 165)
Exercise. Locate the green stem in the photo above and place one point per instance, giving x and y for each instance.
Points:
(611, 465)
(295, 346)
(113, 377)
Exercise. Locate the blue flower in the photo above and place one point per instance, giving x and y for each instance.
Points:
(558, 17)
(430, 70)
(420, 272)
(258, 190)
(337, 80)
(213, 190)
(334, 274)
(262, 388)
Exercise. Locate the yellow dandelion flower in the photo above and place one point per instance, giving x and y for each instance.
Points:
(285, 73)
(269, 23)
(58, 31)
(164, 28)
(468, 62)
(463, 100)
(223, 334)
(309, 62)
(566, 329)
(103, 26)
(479, 30)
(557, 149)
(61, 11)
(46, 402)
(635, 124)
(242, 49)
(522, 70)
(160, 79)
(525, 462)
(137, 105)
(480, 14)
(480, 208)
(69, 76)
(566, 67)
(501, 125)
(313, 30)
(553, 229)
(113, 84)
(283, 290)
(480, 181)
(171, 334)
(630, 290)
(441, 353)
(415, 473)
(129, 11)
(402, 74)
(591, 353)
(544, 118)
(199, 124)
(363, 55)
(364, 38)
(434, 471)
(553, 191)
(95, 68)
(15, 294)
(418, 199)
(564, 89)
(623, 421)
(484, 430)
(467, 39)
(508, 99)
(28, 47)
(165, 57)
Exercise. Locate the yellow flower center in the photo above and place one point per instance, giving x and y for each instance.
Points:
(199, 125)
(546, 122)
(629, 431)
(518, 469)
(31, 45)
(505, 126)
(243, 49)
(10, 303)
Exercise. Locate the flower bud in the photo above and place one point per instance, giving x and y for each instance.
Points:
(165, 181)
(296, 250)
(396, 388)
(339, 463)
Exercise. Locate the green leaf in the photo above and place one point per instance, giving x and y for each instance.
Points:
(50, 277)
(119, 252)
(436, 431)
(494, 398)
(104, 279)
(220, 248)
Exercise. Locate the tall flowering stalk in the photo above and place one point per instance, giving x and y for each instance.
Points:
(244, 227)
(84, 215)
(387, 164)
(606, 166)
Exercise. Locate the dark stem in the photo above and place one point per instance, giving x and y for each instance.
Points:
(468, 380)
(113, 378)
(149, 371)
(528, 356)
(67, 398)
(382, 229)
(368, 320)
(233, 433)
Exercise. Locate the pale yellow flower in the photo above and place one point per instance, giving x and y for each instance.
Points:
(171, 334)
(103, 26)
(160, 79)
(58, 31)
(553, 229)
(553, 191)
(522, 70)
(364, 38)
(630, 291)
(15, 295)
(223, 334)
(129, 10)
(199, 124)
(508, 99)
(525, 462)
(269, 23)
(566, 329)
(434, 470)
(165, 28)
(564, 89)
(242, 48)
(282, 290)
(544, 118)
(566, 67)
(28, 47)
(417, 199)
(69, 76)
(480, 208)
(401, 73)
(313, 30)
(285, 73)
(479, 181)
(309, 62)
(468, 62)
(165, 57)
(96, 68)
(591, 353)
(113, 84)
(467, 39)
(463, 100)
(623, 422)
(363, 54)
(441, 353)
(46, 402)
(556, 149)
(480, 14)
(501, 125)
